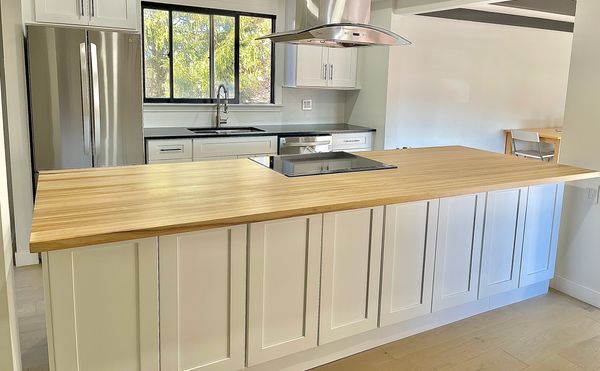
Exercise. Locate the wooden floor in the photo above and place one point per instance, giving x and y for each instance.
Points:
(551, 332)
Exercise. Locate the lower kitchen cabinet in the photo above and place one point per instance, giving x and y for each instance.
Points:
(502, 241)
(102, 306)
(283, 287)
(408, 261)
(350, 270)
(458, 252)
(540, 239)
(203, 300)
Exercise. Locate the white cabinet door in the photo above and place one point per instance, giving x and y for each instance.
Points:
(342, 67)
(350, 267)
(203, 300)
(502, 241)
(283, 287)
(234, 146)
(113, 13)
(311, 66)
(74, 12)
(540, 239)
(408, 261)
(458, 252)
(102, 306)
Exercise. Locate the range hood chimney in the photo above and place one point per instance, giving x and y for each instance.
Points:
(336, 24)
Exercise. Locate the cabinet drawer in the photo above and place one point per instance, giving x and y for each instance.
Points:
(237, 146)
(353, 141)
(169, 149)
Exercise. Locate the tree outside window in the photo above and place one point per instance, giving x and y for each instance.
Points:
(189, 52)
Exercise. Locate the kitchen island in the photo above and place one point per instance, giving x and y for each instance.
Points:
(226, 264)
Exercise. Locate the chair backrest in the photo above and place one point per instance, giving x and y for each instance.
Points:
(526, 136)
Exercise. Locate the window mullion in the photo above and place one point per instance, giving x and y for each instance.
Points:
(211, 56)
(171, 77)
(236, 58)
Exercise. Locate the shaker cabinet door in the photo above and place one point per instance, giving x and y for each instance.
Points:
(458, 251)
(311, 66)
(540, 238)
(102, 306)
(203, 300)
(283, 287)
(502, 241)
(408, 261)
(113, 13)
(350, 268)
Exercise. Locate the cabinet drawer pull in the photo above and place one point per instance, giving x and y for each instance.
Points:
(352, 140)
(171, 150)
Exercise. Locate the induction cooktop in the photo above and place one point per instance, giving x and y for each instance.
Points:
(320, 164)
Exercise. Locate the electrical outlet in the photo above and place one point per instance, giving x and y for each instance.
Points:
(306, 104)
(592, 195)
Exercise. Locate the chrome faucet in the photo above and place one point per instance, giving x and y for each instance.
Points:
(222, 116)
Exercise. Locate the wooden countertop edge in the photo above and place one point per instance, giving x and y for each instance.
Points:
(119, 236)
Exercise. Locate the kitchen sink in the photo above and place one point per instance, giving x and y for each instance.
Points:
(225, 131)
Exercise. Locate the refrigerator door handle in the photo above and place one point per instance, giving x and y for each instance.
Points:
(85, 99)
(95, 101)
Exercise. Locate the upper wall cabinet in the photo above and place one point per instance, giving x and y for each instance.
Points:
(97, 13)
(320, 67)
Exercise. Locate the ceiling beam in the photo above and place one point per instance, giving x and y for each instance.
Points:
(424, 6)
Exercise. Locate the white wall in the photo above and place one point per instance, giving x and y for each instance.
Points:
(10, 358)
(463, 82)
(328, 105)
(577, 271)
(16, 118)
(367, 107)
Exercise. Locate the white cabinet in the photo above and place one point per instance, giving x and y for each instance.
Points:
(100, 13)
(342, 67)
(408, 261)
(352, 142)
(283, 287)
(207, 148)
(350, 268)
(321, 67)
(168, 150)
(102, 306)
(458, 252)
(203, 300)
(312, 66)
(502, 241)
(540, 238)
(113, 13)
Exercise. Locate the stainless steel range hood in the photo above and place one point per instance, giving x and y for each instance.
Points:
(337, 24)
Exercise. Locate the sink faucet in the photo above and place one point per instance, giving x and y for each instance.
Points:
(222, 116)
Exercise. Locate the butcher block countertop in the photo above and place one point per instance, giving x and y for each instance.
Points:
(93, 206)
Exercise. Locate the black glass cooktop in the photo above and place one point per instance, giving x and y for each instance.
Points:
(320, 163)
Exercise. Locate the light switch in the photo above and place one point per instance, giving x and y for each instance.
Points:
(306, 104)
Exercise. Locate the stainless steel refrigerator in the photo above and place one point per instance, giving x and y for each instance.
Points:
(85, 89)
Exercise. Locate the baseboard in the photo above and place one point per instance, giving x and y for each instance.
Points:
(23, 258)
(576, 290)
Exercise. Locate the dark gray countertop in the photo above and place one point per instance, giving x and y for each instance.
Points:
(283, 130)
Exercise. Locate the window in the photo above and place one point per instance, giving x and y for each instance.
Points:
(189, 52)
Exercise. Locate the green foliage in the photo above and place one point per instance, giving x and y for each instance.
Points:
(192, 59)
(156, 53)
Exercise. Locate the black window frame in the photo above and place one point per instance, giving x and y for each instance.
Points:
(206, 11)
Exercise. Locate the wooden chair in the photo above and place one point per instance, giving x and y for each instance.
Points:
(529, 140)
